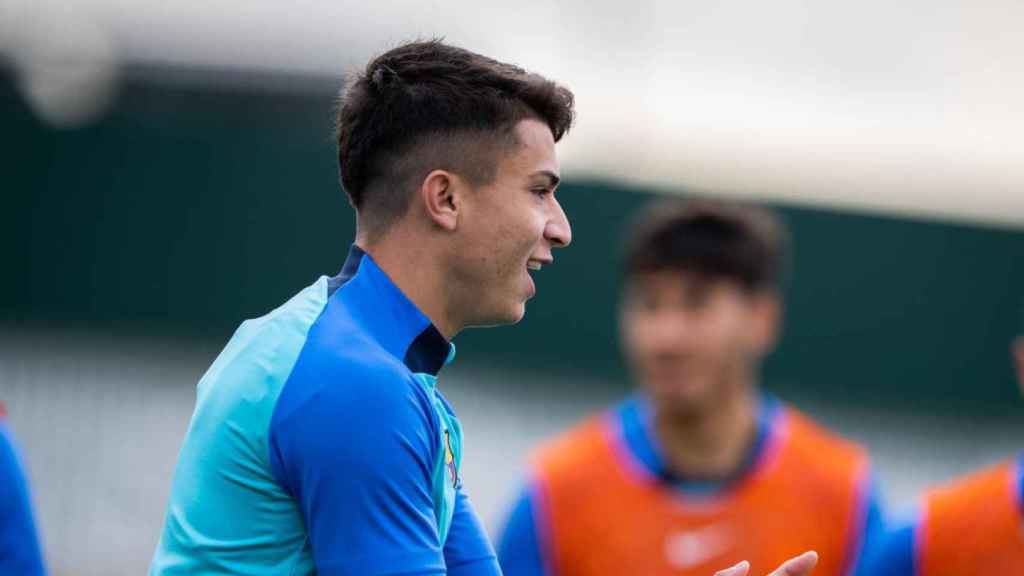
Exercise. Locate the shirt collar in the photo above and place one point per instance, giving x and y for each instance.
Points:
(636, 429)
(388, 314)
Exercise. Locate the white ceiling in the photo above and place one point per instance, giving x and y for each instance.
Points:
(913, 107)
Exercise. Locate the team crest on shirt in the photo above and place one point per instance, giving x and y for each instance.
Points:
(449, 460)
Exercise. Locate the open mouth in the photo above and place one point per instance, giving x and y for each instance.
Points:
(535, 264)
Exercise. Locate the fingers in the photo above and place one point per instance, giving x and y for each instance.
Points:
(737, 570)
(802, 565)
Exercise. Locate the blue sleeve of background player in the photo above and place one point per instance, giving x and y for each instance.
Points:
(468, 551)
(895, 554)
(874, 528)
(357, 454)
(1020, 477)
(19, 543)
(520, 547)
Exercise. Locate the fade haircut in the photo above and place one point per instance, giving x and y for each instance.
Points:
(741, 244)
(425, 106)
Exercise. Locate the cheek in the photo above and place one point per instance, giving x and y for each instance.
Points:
(735, 338)
(475, 258)
(486, 247)
(514, 243)
(632, 342)
(523, 223)
(636, 333)
(498, 231)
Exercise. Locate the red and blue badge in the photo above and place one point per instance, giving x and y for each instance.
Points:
(449, 460)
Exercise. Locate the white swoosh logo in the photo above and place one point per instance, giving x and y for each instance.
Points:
(689, 548)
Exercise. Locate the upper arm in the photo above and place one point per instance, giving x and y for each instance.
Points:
(872, 531)
(468, 551)
(520, 548)
(19, 543)
(895, 553)
(357, 456)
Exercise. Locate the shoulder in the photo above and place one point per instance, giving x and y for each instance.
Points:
(289, 321)
(8, 449)
(7, 456)
(262, 351)
(978, 478)
(344, 380)
(10, 464)
(894, 554)
(574, 453)
(819, 447)
(243, 383)
(821, 460)
(357, 382)
(341, 363)
(976, 488)
(352, 416)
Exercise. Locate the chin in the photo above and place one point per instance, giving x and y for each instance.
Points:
(683, 400)
(686, 404)
(514, 314)
(504, 317)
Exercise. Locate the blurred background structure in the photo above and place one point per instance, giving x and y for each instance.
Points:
(168, 171)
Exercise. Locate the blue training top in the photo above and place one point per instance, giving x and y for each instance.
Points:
(19, 543)
(320, 444)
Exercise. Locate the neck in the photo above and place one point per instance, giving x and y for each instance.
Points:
(710, 444)
(412, 266)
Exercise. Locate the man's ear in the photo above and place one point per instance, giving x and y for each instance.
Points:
(439, 194)
(767, 321)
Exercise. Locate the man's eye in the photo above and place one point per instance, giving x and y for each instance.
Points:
(696, 299)
(544, 191)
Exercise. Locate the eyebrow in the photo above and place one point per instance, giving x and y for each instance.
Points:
(553, 179)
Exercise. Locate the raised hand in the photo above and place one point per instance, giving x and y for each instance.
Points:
(802, 565)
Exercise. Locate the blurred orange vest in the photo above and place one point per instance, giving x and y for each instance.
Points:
(974, 526)
(602, 516)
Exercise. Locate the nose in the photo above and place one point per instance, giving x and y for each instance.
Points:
(669, 330)
(558, 231)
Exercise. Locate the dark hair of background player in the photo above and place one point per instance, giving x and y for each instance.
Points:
(742, 244)
(425, 106)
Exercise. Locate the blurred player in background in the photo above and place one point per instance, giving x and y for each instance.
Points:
(699, 468)
(971, 526)
(19, 542)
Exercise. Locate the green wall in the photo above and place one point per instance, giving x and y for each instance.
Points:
(189, 208)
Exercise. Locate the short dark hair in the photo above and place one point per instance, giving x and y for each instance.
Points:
(428, 105)
(740, 243)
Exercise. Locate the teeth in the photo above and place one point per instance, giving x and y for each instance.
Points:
(533, 265)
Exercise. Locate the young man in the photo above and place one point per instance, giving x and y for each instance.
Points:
(19, 542)
(320, 442)
(698, 469)
(972, 526)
